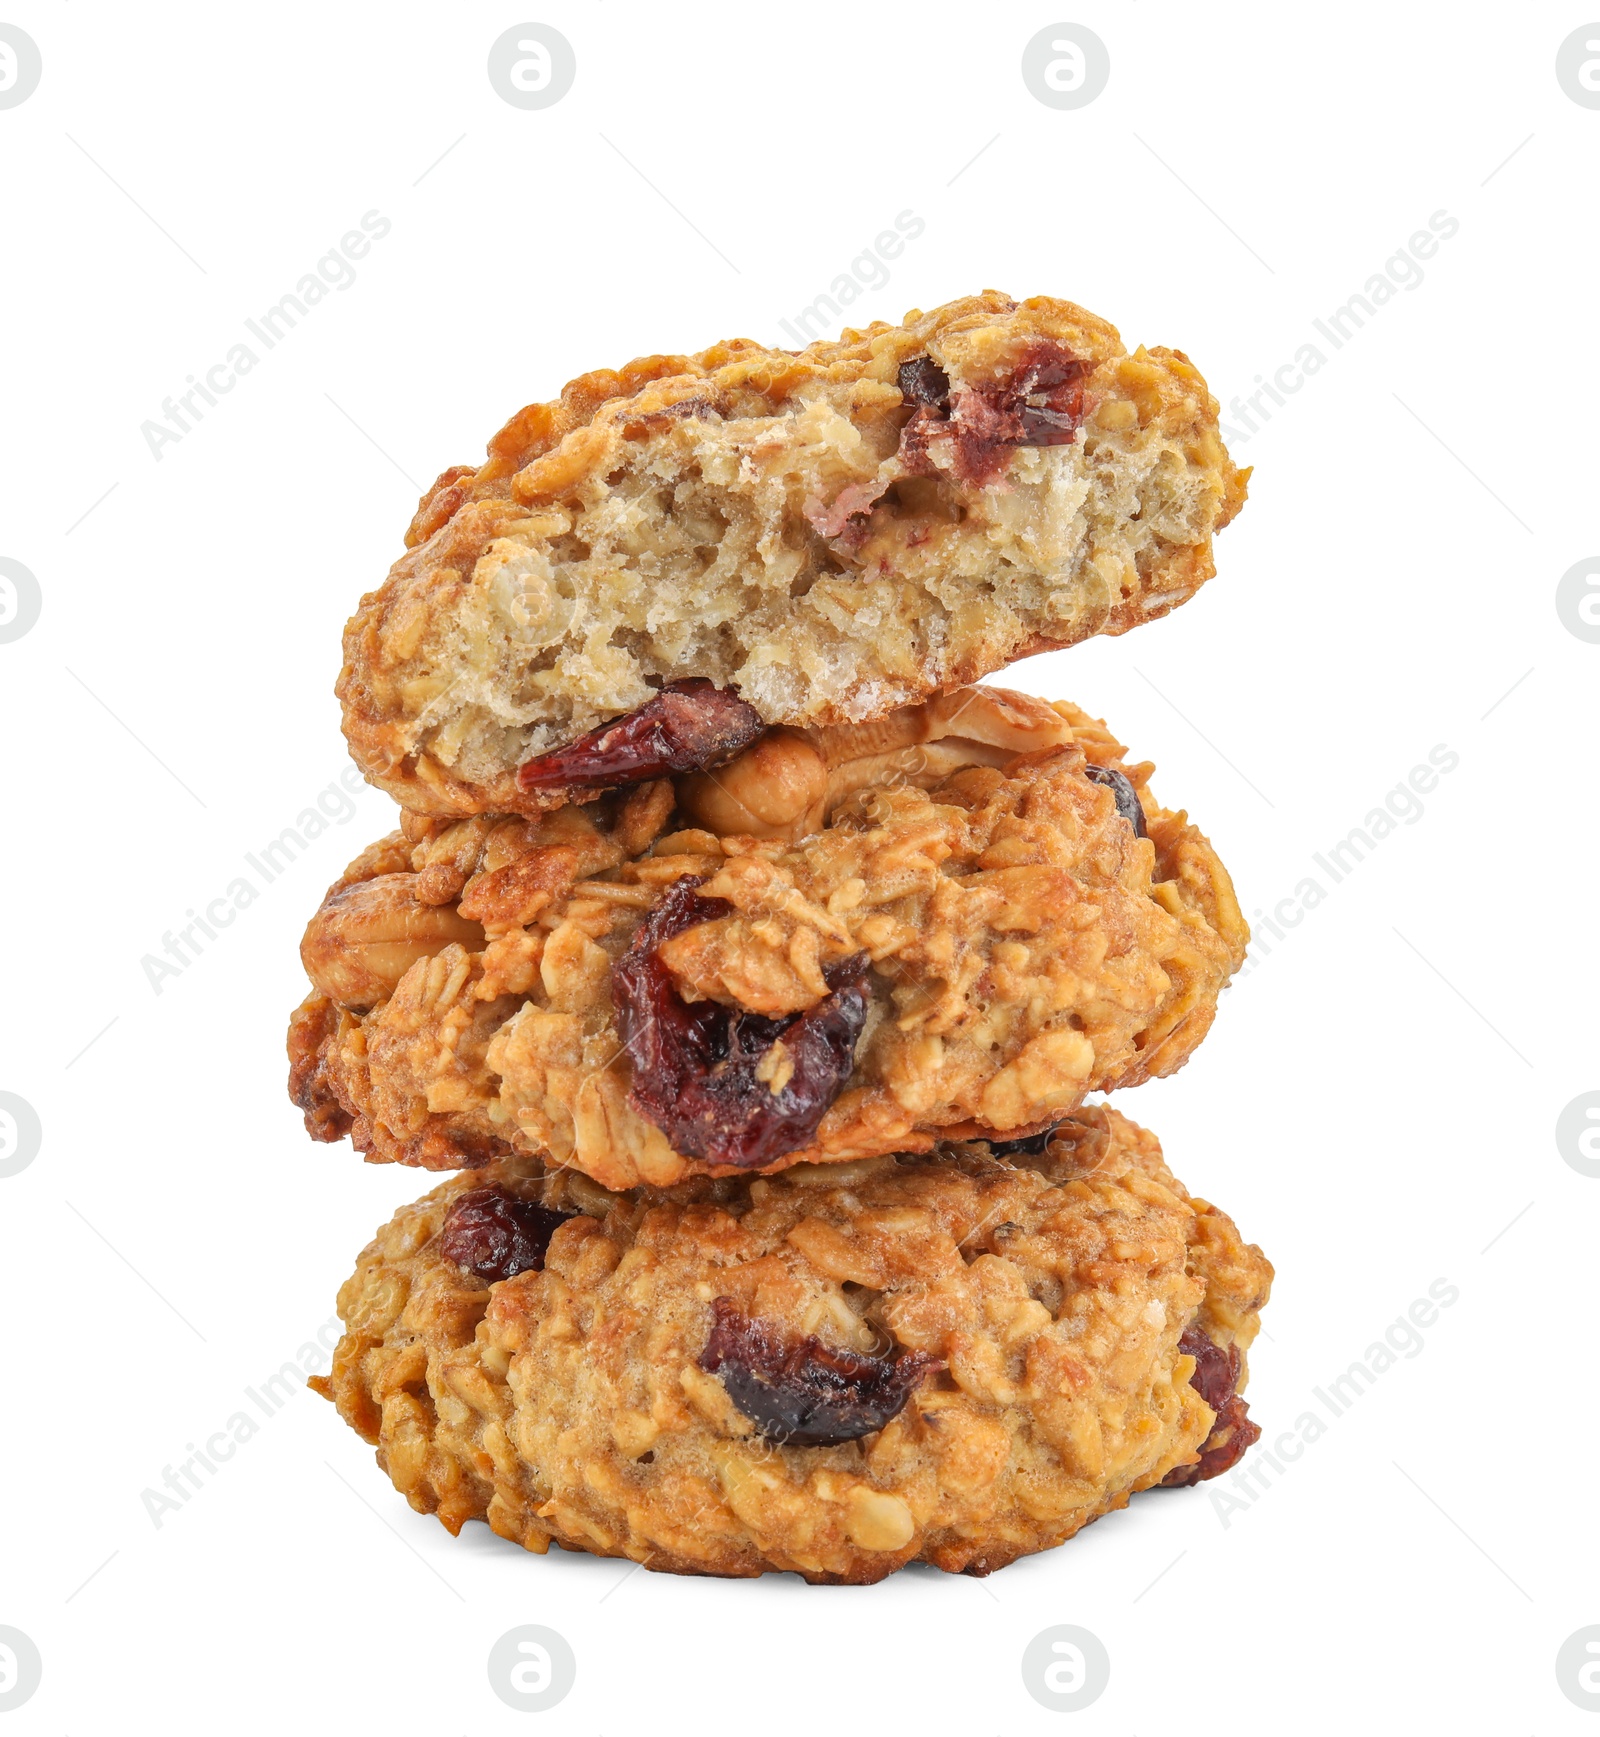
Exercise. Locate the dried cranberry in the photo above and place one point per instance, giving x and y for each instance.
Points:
(497, 1235)
(805, 1393)
(926, 387)
(1039, 403)
(1216, 1375)
(687, 727)
(923, 382)
(1047, 391)
(1124, 794)
(695, 1064)
(1215, 1370)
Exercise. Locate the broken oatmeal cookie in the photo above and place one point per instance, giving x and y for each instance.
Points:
(813, 538)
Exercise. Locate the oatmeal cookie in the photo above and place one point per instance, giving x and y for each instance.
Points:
(821, 536)
(989, 928)
(958, 1358)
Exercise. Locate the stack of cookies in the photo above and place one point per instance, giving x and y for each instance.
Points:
(748, 968)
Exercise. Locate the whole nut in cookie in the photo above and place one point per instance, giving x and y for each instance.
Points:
(788, 783)
(367, 936)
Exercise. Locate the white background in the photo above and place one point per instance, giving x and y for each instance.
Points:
(1378, 1100)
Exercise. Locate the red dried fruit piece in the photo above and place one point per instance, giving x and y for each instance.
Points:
(687, 727)
(695, 1063)
(1216, 1374)
(847, 519)
(805, 1393)
(1039, 403)
(1231, 1434)
(497, 1235)
(1123, 793)
(1215, 1371)
(926, 386)
(1046, 393)
(925, 383)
